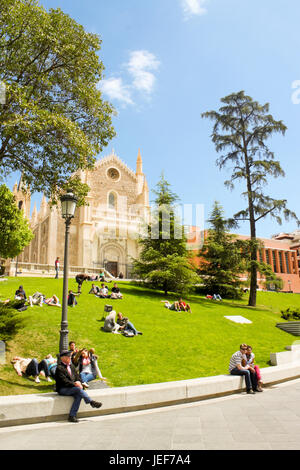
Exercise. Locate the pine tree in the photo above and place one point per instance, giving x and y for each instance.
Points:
(164, 263)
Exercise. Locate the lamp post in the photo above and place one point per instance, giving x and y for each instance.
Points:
(68, 206)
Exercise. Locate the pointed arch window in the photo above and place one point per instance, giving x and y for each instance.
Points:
(112, 201)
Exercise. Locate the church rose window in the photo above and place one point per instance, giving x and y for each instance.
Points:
(113, 174)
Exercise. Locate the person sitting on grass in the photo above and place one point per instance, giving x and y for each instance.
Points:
(174, 306)
(31, 367)
(183, 306)
(20, 294)
(88, 367)
(94, 289)
(115, 293)
(52, 364)
(249, 361)
(72, 298)
(128, 328)
(53, 301)
(103, 293)
(68, 384)
(110, 325)
(209, 297)
(36, 299)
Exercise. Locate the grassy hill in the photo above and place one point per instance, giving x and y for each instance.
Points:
(174, 346)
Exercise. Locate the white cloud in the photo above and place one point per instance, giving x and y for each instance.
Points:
(193, 7)
(141, 65)
(115, 89)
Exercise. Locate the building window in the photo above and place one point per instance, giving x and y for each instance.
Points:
(281, 262)
(287, 263)
(268, 257)
(274, 262)
(260, 256)
(111, 201)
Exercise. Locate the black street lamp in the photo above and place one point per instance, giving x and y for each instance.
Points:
(68, 206)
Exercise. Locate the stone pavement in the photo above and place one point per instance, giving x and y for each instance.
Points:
(264, 421)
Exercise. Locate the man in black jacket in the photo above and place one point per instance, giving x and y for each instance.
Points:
(68, 384)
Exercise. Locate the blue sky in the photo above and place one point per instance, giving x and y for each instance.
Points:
(167, 61)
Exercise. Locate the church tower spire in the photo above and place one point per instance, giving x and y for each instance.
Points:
(139, 164)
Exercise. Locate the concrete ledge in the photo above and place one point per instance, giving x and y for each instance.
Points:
(25, 409)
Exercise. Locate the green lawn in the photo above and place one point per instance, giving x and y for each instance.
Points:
(174, 346)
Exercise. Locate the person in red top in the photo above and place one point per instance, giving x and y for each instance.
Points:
(184, 306)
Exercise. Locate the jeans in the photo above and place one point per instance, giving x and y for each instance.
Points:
(87, 377)
(130, 327)
(250, 377)
(78, 394)
(34, 368)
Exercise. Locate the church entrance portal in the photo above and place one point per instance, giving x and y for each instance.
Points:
(112, 267)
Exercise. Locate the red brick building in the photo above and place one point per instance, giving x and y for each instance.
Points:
(281, 252)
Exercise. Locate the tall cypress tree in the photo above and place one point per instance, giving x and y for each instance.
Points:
(241, 129)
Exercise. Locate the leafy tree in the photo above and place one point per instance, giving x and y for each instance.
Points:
(54, 120)
(241, 128)
(222, 260)
(15, 232)
(164, 261)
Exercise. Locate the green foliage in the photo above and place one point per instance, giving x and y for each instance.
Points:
(54, 121)
(15, 232)
(291, 314)
(10, 320)
(222, 260)
(164, 262)
(241, 129)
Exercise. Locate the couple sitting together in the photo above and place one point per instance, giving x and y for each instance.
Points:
(103, 292)
(242, 363)
(122, 325)
(177, 306)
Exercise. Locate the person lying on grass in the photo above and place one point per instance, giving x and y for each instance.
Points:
(183, 306)
(174, 306)
(52, 301)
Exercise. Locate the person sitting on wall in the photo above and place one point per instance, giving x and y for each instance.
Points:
(115, 293)
(68, 384)
(183, 306)
(72, 298)
(94, 289)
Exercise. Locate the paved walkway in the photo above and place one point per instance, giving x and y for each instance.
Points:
(268, 420)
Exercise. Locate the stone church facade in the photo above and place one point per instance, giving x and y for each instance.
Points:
(103, 234)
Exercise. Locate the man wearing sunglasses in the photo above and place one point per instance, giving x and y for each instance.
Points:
(236, 368)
